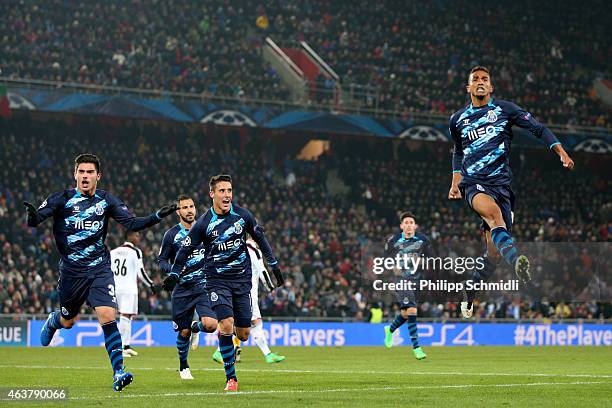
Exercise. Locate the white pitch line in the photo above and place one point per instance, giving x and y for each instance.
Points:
(356, 372)
(339, 390)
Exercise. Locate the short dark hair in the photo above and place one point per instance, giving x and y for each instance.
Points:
(406, 214)
(130, 232)
(87, 158)
(183, 197)
(479, 68)
(218, 178)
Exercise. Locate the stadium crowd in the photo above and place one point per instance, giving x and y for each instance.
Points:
(319, 232)
(392, 55)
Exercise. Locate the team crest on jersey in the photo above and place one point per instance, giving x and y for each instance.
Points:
(44, 204)
(238, 227)
(213, 297)
(175, 326)
(64, 311)
(99, 209)
(491, 116)
(479, 187)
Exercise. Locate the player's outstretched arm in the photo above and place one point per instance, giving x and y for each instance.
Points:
(525, 120)
(36, 216)
(123, 216)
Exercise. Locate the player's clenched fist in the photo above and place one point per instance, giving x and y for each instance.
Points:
(454, 193)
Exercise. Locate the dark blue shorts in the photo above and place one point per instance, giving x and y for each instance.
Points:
(503, 196)
(231, 299)
(184, 306)
(98, 290)
(406, 298)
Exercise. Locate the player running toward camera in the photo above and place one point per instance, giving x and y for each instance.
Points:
(189, 291)
(126, 264)
(222, 230)
(260, 273)
(80, 222)
(412, 243)
(482, 132)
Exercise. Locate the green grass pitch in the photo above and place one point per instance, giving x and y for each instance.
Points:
(349, 376)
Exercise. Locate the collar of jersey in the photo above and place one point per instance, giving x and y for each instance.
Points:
(215, 215)
(472, 108)
(78, 193)
(129, 244)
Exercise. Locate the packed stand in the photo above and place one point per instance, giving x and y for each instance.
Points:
(318, 237)
(393, 55)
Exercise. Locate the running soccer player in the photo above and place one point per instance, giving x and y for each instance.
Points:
(411, 243)
(80, 222)
(482, 132)
(222, 230)
(126, 264)
(260, 273)
(189, 295)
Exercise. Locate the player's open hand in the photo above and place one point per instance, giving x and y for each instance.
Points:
(170, 282)
(166, 210)
(454, 193)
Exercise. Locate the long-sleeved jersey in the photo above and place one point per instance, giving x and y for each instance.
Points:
(193, 273)
(415, 246)
(80, 224)
(224, 239)
(482, 139)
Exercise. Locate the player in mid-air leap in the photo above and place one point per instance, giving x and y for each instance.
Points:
(222, 230)
(482, 133)
(80, 223)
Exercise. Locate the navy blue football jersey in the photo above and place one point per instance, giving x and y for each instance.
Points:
(224, 241)
(482, 139)
(80, 224)
(193, 272)
(417, 245)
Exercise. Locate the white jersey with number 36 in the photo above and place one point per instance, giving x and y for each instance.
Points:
(127, 266)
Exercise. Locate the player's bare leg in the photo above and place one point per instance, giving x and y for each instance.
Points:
(490, 212)
(260, 340)
(125, 328)
(112, 341)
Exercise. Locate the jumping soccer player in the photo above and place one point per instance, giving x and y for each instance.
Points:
(411, 243)
(222, 230)
(190, 294)
(126, 263)
(482, 132)
(260, 273)
(80, 222)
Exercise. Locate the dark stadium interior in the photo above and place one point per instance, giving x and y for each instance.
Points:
(318, 214)
(394, 55)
